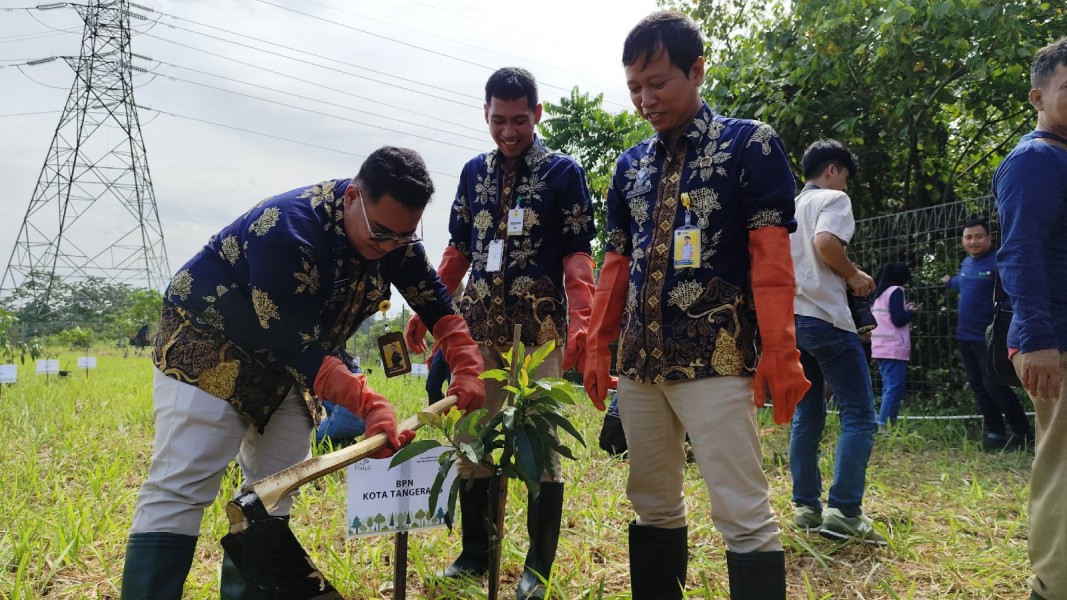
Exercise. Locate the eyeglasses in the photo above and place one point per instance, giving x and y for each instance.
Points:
(376, 236)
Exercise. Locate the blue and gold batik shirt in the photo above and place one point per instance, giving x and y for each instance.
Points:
(687, 323)
(557, 221)
(277, 290)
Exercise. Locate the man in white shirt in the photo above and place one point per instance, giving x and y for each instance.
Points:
(830, 350)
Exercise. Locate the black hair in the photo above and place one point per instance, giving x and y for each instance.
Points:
(512, 83)
(1046, 60)
(893, 273)
(975, 221)
(399, 172)
(824, 153)
(667, 30)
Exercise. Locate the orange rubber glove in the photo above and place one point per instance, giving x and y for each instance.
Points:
(463, 358)
(608, 303)
(578, 281)
(336, 383)
(451, 271)
(773, 286)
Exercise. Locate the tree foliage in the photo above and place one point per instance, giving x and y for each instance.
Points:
(580, 127)
(930, 95)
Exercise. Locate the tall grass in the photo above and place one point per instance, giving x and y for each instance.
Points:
(75, 450)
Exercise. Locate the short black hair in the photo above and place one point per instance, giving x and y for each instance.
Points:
(668, 30)
(824, 153)
(1046, 60)
(399, 172)
(512, 83)
(975, 221)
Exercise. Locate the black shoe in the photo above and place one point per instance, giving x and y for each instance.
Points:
(994, 443)
(473, 560)
(756, 575)
(1020, 443)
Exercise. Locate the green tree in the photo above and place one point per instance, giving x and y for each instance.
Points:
(930, 95)
(580, 127)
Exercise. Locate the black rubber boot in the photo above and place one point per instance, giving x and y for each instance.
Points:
(542, 521)
(156, 566)
(473, 561)
(658, 562)
(756, 575)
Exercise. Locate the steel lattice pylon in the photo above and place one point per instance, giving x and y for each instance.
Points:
(93, 212)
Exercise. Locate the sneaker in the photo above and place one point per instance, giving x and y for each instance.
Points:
(807, 519)
(837, 526)
(994, 442)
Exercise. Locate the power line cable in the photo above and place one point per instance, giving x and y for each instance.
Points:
(318, 112)
(479, 48)
(331, 59)
(270, 135)
(295, 78)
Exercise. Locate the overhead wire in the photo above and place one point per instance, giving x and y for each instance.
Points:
(300, 79)
(462, 43)
(270, 135)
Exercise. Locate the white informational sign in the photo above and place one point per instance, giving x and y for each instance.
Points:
(86, 362)
(48, 366)
(383, 500)
(9, 374)
(420, 370)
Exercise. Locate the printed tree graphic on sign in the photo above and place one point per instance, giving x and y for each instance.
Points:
(356, 523)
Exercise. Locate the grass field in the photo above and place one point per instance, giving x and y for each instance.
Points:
(75, 450)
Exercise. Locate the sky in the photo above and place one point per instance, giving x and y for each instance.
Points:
(244, 99)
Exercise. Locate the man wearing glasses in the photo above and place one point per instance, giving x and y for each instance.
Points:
(246, 349)
(521, 222)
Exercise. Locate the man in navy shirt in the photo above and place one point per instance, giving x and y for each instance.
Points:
(1030, 186)
(997, 403)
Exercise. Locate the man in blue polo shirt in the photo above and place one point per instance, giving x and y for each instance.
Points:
(997, 403)
(1030, 186)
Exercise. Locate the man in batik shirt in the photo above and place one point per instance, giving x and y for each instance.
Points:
(701, 328)
(521, 222)
(247, 342)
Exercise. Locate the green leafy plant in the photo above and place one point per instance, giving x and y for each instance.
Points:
(516, 441)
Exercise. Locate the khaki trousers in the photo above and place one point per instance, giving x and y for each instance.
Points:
(1048, 489)
(720, 418)
(197, 435)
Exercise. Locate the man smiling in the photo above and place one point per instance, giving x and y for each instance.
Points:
(246, 350)
(521, 222)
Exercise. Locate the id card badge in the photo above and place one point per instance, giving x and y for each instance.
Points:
(515, 220)
(496, 256)
(687, 248)
(395, 357)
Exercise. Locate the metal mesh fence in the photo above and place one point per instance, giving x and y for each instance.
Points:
(928, 240)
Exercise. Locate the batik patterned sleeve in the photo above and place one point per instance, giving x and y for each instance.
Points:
(460, 222)
(618, 210)
(289, 261)
(412, 274)
(576, 211)
(767, 183)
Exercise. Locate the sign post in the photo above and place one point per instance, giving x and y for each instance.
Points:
(8, 374)
(383, 500)
(86, 362)
(47, 366)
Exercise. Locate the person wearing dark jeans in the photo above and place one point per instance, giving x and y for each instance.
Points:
(997, 403)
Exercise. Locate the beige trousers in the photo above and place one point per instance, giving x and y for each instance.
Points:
(1048, 492)
(720, 418)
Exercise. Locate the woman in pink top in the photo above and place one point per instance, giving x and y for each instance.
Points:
(891, 339)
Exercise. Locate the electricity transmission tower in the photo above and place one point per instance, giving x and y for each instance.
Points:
(93, 212)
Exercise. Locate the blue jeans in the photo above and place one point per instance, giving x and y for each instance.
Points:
(894, 375)
(341, 426)
(835, 357)
(996, 402)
